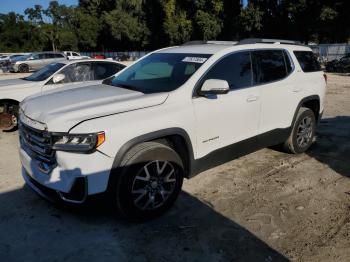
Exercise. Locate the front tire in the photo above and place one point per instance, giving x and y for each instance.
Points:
(24, 68)
(303, 132)
(8, 116)
(150, 180)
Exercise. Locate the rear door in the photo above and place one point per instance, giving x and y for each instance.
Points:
(58, 57)
(36, 61)
(226, 119)
(279, 90)
(48, 58)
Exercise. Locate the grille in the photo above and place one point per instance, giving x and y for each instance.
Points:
(38, 145)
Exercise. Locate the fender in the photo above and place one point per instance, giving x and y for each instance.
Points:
(152, 136)
(305, 99)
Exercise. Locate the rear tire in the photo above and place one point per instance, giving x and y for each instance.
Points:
(303, 132)
(24, 68)
(149, 182)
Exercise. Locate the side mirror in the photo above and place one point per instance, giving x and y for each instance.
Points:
(214, 87)
(58, 78)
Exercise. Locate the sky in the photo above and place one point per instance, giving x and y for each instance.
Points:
(19, 6)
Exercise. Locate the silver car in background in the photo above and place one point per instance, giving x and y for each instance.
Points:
(36, 61)
(76, 73)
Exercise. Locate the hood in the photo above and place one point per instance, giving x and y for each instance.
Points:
(63, 109)
(15, 83)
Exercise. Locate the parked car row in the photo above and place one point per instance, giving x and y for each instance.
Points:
(53, 76)
(6, 60)
(25, 63)
(339, 66)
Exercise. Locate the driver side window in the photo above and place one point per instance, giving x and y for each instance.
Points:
(35, 57)
(235, 69)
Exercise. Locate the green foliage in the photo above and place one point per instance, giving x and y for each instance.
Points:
(250, 19)
(127, 22)
(150, 24)
(177, 25)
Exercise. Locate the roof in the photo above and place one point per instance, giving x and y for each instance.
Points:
(212, 47)
(46, 52)
(198, 49)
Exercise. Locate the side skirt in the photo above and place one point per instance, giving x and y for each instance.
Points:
(231, 152)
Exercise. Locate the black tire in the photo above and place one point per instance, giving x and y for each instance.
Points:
(148, 155)
(23, 68)
(293, 144)
(10, 116)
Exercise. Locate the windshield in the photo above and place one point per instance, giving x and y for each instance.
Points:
(159, 72)
(45, 72)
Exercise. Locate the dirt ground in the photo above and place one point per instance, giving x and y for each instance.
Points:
(266, 206)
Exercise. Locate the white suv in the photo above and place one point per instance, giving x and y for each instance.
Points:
(174, 113)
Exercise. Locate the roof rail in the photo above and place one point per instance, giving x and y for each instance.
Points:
(213, 42)
(267, 41)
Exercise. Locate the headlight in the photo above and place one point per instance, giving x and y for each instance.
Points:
(78, 142)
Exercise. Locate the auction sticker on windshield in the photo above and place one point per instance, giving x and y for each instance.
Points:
(191, 59)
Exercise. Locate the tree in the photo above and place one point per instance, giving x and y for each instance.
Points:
(127, 22)
(177, 25)
(230, 18)
(250, 21)
(208, 18)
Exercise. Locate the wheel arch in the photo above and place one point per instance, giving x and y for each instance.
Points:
(9, 100)
(177, 138)
(312, 102)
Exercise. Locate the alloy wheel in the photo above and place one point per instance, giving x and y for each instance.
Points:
(153, 185)
(304, 132)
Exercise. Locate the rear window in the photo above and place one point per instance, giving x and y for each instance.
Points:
(308, 61)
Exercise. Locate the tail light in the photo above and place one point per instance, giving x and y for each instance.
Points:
(325, 78)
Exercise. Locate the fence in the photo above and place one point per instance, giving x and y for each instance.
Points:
(329, 52)
(134, 55)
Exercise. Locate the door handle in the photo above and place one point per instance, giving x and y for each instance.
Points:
(252, 98)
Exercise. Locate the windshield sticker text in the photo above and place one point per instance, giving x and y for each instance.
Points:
(191, 59)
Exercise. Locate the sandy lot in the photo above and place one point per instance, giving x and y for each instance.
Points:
(267, 206)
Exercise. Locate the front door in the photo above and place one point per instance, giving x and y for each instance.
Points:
(226, 119)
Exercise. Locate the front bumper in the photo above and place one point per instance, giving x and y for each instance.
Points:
(13, 68)
(75, 176)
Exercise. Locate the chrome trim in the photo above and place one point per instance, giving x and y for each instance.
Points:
(38, 145)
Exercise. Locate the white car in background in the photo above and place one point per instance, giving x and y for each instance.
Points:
(74, 55)
(55, 75)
